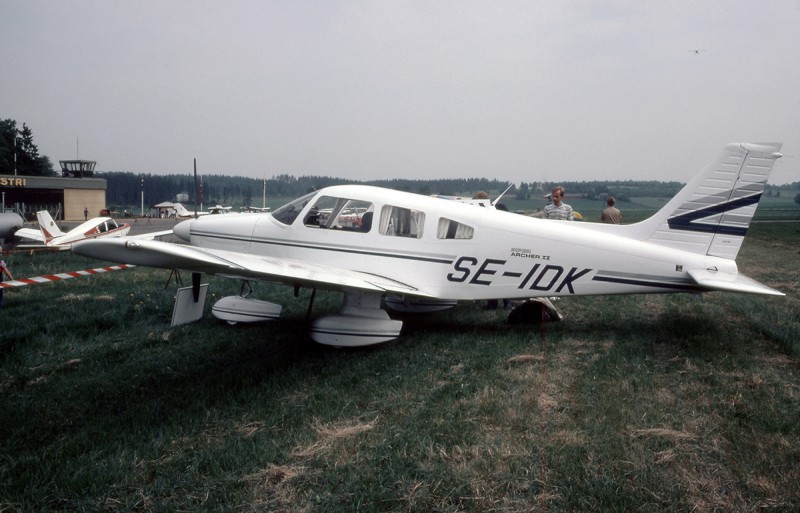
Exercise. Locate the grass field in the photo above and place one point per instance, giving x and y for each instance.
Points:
(646, 403)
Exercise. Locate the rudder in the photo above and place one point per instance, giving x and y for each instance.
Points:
(47, 226)
(712, 213)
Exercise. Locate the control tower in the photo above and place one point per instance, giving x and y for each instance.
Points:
(77, 168)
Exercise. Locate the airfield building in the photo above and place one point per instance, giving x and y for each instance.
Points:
(65, 197)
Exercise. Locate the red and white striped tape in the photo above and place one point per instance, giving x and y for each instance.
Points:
(47, 278)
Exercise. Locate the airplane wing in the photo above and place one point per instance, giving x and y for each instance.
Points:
(168, 255)
(716, 280)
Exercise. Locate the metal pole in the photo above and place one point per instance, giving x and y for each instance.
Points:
(195, 188)
(142, 196)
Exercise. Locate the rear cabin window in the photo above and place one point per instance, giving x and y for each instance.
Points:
(449, 229)
(340, 214)
(401, 222)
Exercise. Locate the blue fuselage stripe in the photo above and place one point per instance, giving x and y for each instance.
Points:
(435, 260)
(646, 283)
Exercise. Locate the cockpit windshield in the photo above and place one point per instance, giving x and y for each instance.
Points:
(289, 212)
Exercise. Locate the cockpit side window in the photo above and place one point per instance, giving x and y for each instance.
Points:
(340, 214)
(449, 229)
(289, 212)
(401, 222)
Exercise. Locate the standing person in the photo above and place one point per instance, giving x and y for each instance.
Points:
(558, 209)
(85, 214)
(611, 214)
(4, 271)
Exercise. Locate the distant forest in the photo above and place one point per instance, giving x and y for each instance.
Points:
(124, 189)
(20, 155)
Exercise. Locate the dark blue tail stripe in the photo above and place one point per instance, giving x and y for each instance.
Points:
(688, 221)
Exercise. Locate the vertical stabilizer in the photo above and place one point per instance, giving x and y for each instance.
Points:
(48, 226)
(712, 213)
(181, 211)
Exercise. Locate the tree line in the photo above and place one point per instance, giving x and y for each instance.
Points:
(125, 188)
(19, 154)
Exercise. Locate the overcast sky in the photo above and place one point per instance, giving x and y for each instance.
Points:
(513, 90)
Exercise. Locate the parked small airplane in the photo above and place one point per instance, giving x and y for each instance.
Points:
(181, 212)
(255, 209)
(51, 236)
(432, 253)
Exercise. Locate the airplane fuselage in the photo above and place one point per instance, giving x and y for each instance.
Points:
(497, 254)
(91, 229)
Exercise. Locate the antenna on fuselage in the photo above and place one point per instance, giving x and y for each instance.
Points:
(501, 195)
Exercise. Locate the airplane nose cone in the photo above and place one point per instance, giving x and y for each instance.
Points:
(183, 229)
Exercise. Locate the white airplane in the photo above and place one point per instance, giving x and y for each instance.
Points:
(50, 235)
(431, 253)
(181, 212)
(255, 209)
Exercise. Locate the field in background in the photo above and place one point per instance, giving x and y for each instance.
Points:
(639, 208)
(668, 403)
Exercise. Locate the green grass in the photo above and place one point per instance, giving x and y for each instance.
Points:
(651, 403)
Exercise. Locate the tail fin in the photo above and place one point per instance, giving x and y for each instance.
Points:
(712, 213)
(48, 226)
(181, 211)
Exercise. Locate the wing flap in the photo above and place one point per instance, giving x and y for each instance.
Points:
(716, 280)
(168, 255)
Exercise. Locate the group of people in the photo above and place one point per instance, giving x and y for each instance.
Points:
(561, 211)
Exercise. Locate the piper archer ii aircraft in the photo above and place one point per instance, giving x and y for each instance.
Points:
(431, 252)
(50, 235)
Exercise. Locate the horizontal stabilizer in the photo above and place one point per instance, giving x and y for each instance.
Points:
(716, 280)
(30, 234)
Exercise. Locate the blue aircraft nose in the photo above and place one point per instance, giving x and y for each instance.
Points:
(183, 229)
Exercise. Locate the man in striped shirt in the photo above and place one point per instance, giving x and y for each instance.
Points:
(558, 209)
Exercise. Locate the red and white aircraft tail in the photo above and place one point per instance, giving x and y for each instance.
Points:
(47, 226)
